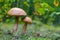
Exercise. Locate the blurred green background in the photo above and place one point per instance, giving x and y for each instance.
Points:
(45, 10)
(45, 15)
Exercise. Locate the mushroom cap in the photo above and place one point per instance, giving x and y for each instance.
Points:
(16, 12)
(27, 20)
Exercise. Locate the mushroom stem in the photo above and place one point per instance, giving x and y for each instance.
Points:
(24, 28)
(16, 24)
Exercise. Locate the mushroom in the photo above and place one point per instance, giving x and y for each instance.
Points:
(16, 12)
(27, 21)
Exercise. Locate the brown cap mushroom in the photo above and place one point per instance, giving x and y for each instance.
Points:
(16, 12)
(26, 20)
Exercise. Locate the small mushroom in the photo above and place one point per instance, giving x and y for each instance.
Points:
(16, 12)
(27, 21)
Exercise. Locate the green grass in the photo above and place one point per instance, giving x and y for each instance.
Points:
(48, 32)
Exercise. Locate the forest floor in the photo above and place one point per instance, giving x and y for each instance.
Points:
(46, 32)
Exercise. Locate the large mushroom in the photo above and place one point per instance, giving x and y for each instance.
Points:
(27, 21)
(16, 12)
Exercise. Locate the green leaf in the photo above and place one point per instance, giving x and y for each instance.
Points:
(41, 11)
(44, 4)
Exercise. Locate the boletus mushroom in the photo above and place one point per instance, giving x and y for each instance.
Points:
(16, 12)
(27, 21)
